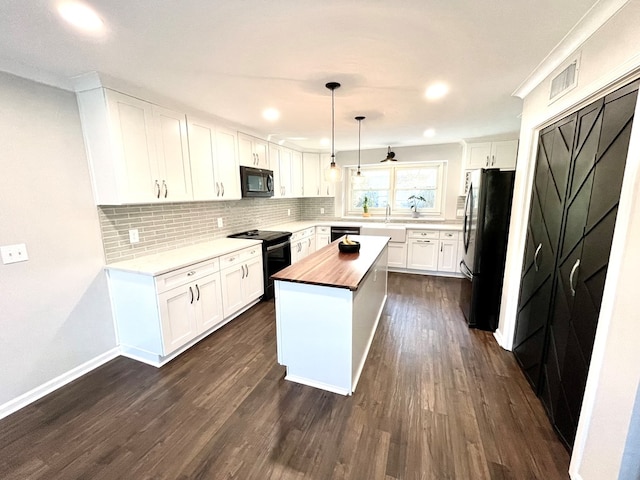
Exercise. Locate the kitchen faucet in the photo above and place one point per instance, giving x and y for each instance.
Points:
(387, 213)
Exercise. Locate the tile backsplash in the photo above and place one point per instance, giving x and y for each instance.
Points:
(171, 225)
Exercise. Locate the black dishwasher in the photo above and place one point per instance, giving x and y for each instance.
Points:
(341, 231)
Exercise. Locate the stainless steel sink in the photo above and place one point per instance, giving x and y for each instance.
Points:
(398, 233)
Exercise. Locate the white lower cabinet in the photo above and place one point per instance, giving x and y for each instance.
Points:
(423, 254)
(448, 256)
(189, 310)
(157, 316)
(303, 242)
(397, 255)
(323, 237)
(242, 281)
(433, 250)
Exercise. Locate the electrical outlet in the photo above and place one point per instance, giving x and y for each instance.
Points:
(322, 210)
(288, 212)
(14, 253)
(220, 223)
(134, 235)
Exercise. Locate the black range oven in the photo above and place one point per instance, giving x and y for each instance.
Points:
(276, 254)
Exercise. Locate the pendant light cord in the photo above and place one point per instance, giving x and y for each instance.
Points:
(333, 128)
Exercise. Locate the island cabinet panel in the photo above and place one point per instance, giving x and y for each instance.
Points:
(325, 322)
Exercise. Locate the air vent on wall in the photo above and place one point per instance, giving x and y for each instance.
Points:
(565, 80)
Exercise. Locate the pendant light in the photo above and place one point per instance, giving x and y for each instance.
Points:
(333, 173)
(390, 156)
(359, 119)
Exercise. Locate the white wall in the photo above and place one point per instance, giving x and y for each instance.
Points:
(54, 309)
(610, 58)
(452, 152)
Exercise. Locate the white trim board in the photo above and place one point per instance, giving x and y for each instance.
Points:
(37, 393)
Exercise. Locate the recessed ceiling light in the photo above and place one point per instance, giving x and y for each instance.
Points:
(437, 90)
(81, 16)
(271, 114)
(325, 141)
(429, 132)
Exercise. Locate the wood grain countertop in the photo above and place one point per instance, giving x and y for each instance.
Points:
(332, 268)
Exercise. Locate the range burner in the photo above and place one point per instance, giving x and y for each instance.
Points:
(268, 237)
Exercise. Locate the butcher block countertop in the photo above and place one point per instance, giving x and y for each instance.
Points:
(332, 268)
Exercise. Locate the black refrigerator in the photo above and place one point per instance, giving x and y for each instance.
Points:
(485, 231)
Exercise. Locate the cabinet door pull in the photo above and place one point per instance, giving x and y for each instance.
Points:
(198, 290)
(535, 257)
(166, 188)
(573, 271)
(309, 242)
(327, 191)
(191, 291)
(487, 162)
(191, 273)
(217, 190)
(157, 189)
(222, 185)
(440, 247)
(493, 160)
(247, 267)
(242, 267)
(318, 191)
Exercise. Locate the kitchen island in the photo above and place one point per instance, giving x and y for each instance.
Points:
(327, 310)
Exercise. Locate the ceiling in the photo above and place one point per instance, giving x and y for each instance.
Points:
(235, 58)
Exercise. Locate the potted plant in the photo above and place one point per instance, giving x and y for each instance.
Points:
(414, 204)
(365, 207)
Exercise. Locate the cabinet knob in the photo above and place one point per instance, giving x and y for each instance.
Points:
(191, 273)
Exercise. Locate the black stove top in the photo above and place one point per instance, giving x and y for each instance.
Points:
(268, 237)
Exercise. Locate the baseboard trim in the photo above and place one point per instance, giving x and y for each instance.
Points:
(37, 393)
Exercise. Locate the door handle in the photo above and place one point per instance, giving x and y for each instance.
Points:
(535, 257)
(573, 271)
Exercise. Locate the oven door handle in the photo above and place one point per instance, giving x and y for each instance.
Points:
(279, 245)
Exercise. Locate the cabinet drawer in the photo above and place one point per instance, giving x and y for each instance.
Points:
(185, 275)
(447, 235)
(423, 234)
(240, 256)
(324, 230)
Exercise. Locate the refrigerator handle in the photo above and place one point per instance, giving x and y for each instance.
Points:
(465, 270)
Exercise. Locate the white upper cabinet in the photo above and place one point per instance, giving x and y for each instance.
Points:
(137, 151)
(311, 172)
(172, 153)
(297, 181)
(252, 151)
(492, 155)
(214, 165)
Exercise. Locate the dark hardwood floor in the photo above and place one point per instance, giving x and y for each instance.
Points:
(435, 401)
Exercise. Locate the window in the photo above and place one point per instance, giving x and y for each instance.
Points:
(392, 185)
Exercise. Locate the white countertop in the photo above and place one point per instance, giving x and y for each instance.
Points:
(164, 262)
(297, 226)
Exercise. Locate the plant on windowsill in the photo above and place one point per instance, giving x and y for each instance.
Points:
(365, 207)
(414, 204)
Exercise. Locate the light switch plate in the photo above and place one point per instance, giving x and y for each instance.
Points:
(288, 212)
(14, 253)
(321, 210)
(134, 235)
(220, 224)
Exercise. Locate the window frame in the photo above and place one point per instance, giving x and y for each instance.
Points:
(435, 213)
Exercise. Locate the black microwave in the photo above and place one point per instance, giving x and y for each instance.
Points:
(256, 182)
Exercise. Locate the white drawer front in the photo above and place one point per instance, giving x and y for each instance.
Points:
(185, 275)
(326, 230)
(448, 235)
(423, 234)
